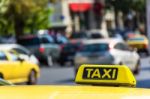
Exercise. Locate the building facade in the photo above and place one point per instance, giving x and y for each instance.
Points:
(77, 15)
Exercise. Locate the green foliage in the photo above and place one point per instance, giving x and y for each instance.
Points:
(33, 14)
(3, 6)
(139, 5)
(126, 5)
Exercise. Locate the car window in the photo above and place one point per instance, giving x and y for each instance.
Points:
(46, 40)
(20, 51)
(3, 56)
(13, 57)
(61, 40)
(95, 47)
(96, 36)
(136, 39)
(121, 46)
(50, 39)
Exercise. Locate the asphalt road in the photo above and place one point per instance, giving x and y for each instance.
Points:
(143, 79)
(65, 75)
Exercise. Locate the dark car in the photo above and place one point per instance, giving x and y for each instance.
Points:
(43, 46)
(68, 52)
(79, 35)
(87, 35)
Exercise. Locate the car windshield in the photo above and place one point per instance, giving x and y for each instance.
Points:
(46, 39)
(50, 39)
(137, 39)
(95, 47)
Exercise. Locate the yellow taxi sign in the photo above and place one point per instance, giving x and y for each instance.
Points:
(115, 75)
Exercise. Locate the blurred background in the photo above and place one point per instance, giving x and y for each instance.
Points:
(60, 35)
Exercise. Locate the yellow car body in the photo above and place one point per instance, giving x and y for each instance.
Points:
(72, 92)
(17, 71)
(94, 74)
(140, 42)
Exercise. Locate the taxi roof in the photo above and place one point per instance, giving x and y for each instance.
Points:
(72, 92)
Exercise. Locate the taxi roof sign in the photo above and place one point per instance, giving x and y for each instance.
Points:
(111, 75)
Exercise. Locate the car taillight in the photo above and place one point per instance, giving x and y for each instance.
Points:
(41, 49)
(145, 45)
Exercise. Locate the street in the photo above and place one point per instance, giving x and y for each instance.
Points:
(65, 75)
(143, 78)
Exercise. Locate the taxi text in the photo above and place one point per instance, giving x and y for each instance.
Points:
(100, 73)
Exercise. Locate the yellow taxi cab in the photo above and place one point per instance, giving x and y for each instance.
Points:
(140, 42)
(16, 70)
(100, 82)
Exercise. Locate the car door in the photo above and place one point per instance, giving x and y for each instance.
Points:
(131, 60)
(123, 54)
(18, 66)
(6, 68)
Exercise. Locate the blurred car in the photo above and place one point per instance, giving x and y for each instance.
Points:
(58, 37)
(91, 34)
(79, 35)
(22, 51)
(116, 34)
(43, 47)
(17, 70)
(68, 52)
(95, 36)
(110, 82)
(41, 32)
(96, 33)
(107, 51)
(140, 42)
(61, 39)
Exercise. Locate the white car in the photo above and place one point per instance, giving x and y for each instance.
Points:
(107, 51)
(22, 51)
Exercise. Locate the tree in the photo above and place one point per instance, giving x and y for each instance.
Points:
(126, 5)
(23, 14)
(3, 21)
